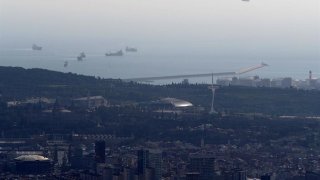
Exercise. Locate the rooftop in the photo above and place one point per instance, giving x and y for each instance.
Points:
(89, 98)
(31, 158)
(176, 102)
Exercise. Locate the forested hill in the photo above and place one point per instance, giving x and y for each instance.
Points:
(18, 83)
(10, 76)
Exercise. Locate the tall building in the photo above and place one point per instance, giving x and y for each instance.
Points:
(312, 176)
(193, 176)
(100, 154)
(235, 174)
(265, 177)
(143, 159)
(149, 164)
(107, 173)
(203, 164)
(155, 162)
(128, 173)
(149, 174)
(239, 174)
(76, 157)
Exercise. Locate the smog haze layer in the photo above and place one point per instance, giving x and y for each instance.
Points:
(283, 33)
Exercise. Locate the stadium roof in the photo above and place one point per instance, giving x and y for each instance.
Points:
(31, 158)
(176, 102)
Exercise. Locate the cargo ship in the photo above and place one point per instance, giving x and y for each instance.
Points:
(118, 53)
(131, 49)
(81, 56)
(36, 48)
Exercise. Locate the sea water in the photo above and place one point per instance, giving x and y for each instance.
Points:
(148, 62)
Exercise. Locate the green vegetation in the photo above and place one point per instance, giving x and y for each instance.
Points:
(19, 83)
(248, 110)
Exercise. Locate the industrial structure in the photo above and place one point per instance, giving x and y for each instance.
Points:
(231, 73)
(213, 89)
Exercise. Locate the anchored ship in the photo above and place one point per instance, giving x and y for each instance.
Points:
(131, 49)
(81, 56)
(36, 48)
(118, 53)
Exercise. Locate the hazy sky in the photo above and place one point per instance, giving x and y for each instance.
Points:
(260, 27)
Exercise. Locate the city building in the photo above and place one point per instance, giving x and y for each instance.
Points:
(33, 164)
(90, 102)
(267, 177)
(100, 155)
(203, 164)
(76, 157)
(312, 176)
(41, 101)
(143, 156)
(155, 162)
(235, 174)
(193, 176)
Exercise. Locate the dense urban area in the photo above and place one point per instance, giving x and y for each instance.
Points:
(67, 126)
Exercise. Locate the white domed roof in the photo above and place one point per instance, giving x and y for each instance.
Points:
(31, 158)
(176, 102)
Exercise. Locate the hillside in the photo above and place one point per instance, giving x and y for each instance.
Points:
(20, 83)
